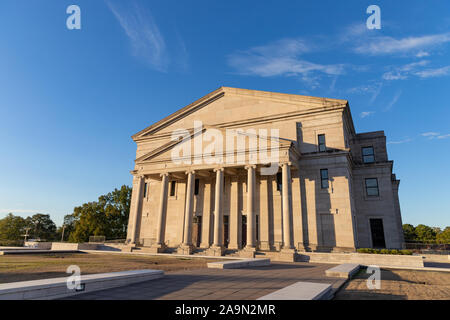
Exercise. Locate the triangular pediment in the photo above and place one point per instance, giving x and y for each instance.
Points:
(164, 153)
(226, 106)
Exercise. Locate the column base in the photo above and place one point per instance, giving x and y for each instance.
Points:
(128, 248)
(157, 248)
(185, 249)
(287, 255)
(247, 252)
(264, 245)
(215, 251)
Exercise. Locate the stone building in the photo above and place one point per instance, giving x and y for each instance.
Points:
(330, 188)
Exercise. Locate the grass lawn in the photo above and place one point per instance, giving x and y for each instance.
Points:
(32, 267)
(399, 285)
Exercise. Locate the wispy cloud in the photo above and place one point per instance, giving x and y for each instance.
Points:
(389, 45)
(403, 72)
(435, 135)
(394, 100)
(431, 73)
(139, 25)
(400, 141)
(365, 114)
(282, 58)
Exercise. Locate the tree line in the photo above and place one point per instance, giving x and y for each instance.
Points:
(426, 234)
(106, 217)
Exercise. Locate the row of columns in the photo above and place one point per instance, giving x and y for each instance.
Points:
(186, 246)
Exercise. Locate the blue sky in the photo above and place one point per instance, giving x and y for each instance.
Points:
(71, 99)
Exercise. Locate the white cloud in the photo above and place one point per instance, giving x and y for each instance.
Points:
(431, 73)
(394, 100)
(435, 135)
(422, 54)
(282, 58)
(403, 72)
(389, 45)
(365, 114)
(144, 35)
(430, 134)
(400, 141)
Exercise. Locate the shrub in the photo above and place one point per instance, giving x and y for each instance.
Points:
(384, 251)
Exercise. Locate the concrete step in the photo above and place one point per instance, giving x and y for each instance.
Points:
(302, 291)
(55, 288)
(346, 271)
(243, 263)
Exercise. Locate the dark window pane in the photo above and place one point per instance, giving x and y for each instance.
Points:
(372, 191)
(279, 181)
(172, 188)
(369, 159)
(368, 155)
(322, 144)
(324, 178)
(145, 190)
(371, 182)
(197, 186)
(372, 187)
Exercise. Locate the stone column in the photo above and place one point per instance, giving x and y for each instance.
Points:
(287, 253)
(250, 248)
(217, 247)
(235, 240)
(206, 219)
(137, 207)
(186, 247)
(159, 246)
(264, 223)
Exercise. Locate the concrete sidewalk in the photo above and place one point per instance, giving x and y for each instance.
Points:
(220, 284)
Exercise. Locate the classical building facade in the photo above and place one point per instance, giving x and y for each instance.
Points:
(320, 186)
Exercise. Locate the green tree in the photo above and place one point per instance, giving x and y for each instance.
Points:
(68, 227)
(42, 227)
(12, 227)
(409, 232)
(425, 233)
(107, 217)
(444, 236)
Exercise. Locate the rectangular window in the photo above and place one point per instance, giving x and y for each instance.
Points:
(324, 178)
(197, 186)
(145, 190)
(173, 185)
(368, 155)
(322, 144)
(279, 181)
(372, 187)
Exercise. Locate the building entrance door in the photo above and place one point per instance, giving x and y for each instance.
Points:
(377, 231)
(244, 231)
(196, 231)
(226, 232)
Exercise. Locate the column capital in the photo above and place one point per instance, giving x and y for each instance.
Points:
(218, 169)
(164, 174)
(190, 172)
(250, 166)
(287, 163)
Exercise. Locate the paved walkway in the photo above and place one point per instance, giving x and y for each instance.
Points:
(219, 284)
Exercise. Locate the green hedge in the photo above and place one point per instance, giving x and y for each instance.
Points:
(384, 251)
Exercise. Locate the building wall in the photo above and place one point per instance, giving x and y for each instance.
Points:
(336, 218)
